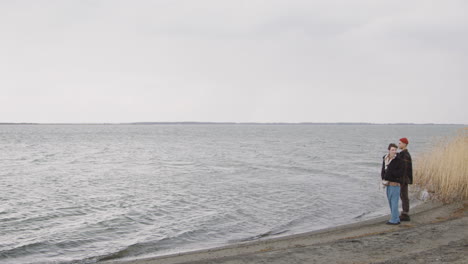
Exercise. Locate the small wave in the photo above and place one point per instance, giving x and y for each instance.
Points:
(361, 215)
(279, 230)
(40, 246)
(264, 235)
(22, 249)
(134, 250)
(10, 219)
(368, 163)
(177, 163)
(152, 247)
(287, 168)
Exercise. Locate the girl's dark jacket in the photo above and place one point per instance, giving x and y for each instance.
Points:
(394, 170)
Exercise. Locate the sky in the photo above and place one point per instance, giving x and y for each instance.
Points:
(112, 61)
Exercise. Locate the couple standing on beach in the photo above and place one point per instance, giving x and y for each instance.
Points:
(397, 173)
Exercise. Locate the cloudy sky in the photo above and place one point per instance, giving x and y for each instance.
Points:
(234, 61)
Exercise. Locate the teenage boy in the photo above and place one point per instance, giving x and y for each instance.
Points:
(406, 179)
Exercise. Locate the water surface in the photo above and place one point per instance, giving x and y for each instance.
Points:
(83, 193)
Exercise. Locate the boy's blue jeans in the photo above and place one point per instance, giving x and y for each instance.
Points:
(393, 195)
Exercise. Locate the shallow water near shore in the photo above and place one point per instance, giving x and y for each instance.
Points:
(84, 193)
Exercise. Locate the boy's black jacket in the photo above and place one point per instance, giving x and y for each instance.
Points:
(407, 164)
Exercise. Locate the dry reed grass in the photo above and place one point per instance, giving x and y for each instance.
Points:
(443, 171)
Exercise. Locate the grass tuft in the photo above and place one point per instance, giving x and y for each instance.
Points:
(443, 171)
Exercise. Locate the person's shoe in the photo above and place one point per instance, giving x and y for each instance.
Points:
(404, 217)
(390, 223)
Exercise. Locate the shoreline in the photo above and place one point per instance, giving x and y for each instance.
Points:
(433, 226)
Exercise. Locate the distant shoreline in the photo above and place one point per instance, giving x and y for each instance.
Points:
(236, 123)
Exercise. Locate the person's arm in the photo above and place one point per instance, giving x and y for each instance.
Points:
(399, 169)
(410, 169)
(382, 173)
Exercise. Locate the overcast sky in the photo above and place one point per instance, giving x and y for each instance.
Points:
(234, 61)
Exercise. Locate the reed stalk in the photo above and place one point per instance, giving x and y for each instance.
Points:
(443, 171)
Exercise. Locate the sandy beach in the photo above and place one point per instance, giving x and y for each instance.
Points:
(437, 233)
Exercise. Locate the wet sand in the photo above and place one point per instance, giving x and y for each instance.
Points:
(436, 234)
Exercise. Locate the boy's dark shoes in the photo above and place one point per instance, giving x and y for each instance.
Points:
(404, 217)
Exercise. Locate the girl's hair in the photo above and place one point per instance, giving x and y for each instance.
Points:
(392, 145)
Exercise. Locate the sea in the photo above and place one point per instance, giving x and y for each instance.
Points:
(90, 193)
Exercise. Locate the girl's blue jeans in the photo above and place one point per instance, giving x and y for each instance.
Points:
(393, 195)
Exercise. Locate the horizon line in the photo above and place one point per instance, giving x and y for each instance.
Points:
(221, 123)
